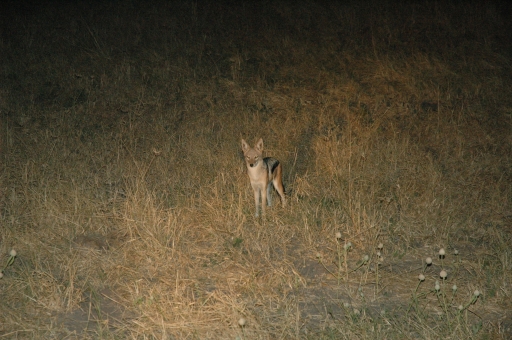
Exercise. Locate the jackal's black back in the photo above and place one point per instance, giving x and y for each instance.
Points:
(271, 164)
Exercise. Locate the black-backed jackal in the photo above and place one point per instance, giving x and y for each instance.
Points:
(263, 173)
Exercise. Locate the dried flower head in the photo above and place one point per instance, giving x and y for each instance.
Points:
(454, 288)
(455, 252)
(442, 252)
(380, 246)
(421, 277)
(443, 274)
(428, 260)
(436, 286)
(338, 235)
(476, 293)
(13, 253)
(241, 322)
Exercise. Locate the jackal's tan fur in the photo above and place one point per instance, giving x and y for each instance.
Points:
(263, 173)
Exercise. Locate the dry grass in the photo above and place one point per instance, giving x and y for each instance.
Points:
(125, 195)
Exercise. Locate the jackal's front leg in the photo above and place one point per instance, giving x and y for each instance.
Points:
(257, 201)
(263, 200)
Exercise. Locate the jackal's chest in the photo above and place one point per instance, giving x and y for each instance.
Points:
(257, 173)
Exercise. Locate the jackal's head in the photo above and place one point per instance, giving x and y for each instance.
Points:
(252, 155)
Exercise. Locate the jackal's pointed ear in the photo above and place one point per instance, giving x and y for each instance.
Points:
(259, 145)
(245, 146)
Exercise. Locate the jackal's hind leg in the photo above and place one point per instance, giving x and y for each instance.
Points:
(280, 190)
(269, 193)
